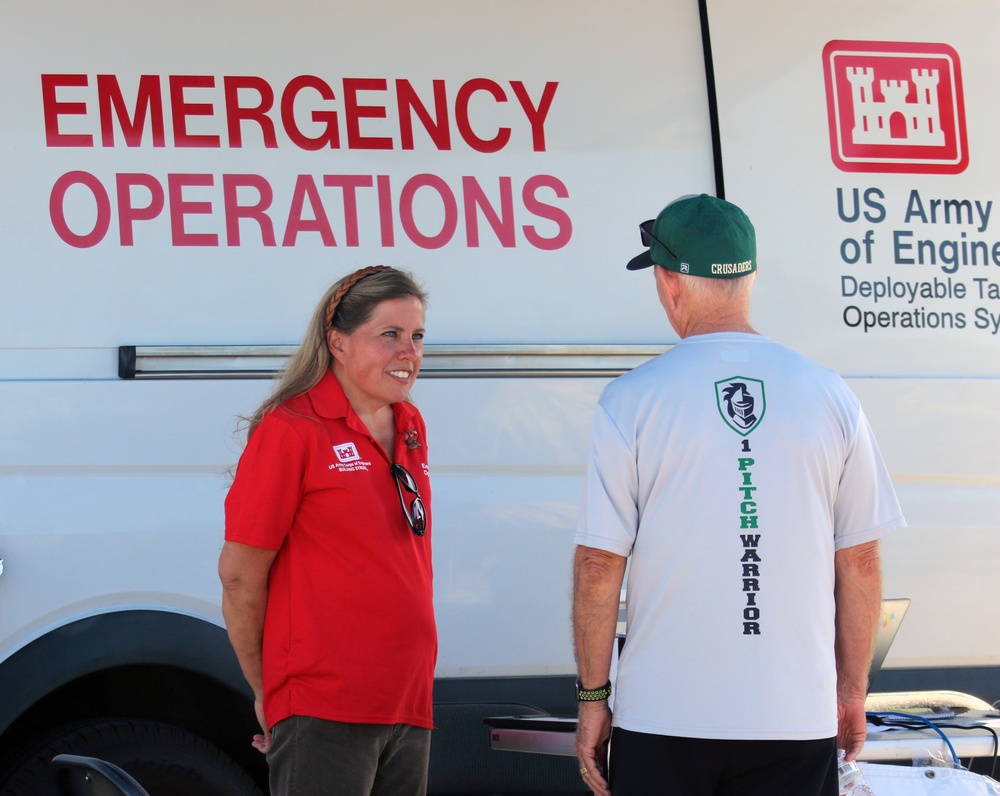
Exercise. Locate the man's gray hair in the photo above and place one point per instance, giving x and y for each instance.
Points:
(735, 289)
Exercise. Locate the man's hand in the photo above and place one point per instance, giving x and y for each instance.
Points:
(593, 729)
(858, 594)
(597, 583)
(851, 725)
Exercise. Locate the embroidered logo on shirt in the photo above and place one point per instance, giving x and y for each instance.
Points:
(346, 452)
(348, 459)
(741, 403)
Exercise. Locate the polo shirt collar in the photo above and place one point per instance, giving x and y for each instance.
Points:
(329, 400)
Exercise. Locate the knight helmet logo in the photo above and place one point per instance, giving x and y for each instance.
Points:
(741, 403)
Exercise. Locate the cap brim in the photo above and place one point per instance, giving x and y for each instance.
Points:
(644, 260)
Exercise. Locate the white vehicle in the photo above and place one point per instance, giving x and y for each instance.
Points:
(180, 181)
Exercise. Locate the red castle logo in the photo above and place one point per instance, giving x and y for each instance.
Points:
(895, 107)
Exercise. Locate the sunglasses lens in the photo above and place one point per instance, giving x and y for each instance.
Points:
(405, 478)
(419, 516)
(646, 233)
(648, 239)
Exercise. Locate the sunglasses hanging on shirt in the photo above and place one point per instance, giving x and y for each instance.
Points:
(416, 516)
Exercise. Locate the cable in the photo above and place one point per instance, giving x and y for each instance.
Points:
(910, 721)
(987, 728)
(921, 722)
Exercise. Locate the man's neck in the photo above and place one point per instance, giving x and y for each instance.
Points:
(731, 323)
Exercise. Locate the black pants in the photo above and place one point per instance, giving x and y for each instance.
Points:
(650, 765)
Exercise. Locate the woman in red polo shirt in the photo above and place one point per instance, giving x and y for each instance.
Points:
(326, 567)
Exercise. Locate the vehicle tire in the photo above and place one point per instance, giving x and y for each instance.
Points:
(165, 760)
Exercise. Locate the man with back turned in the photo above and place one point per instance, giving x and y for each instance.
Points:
(744, 487)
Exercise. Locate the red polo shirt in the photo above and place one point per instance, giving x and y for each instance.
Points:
(349, 633)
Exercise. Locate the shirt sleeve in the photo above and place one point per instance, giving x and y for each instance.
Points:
(866, 507)
(267, 488)
(609, 515)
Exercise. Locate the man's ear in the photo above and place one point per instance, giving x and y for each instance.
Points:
(668, 287)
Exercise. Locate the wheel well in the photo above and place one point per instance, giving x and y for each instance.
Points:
(167, 694)
(137, 664)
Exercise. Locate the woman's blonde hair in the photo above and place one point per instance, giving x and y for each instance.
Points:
(345, 306)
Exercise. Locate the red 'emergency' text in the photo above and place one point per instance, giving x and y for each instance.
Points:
(307, 112)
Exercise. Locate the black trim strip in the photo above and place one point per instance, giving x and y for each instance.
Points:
(713, 103)
(126, 361)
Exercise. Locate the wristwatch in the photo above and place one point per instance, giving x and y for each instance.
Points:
(592, 694)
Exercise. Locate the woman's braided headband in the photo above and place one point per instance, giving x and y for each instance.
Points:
(341, 291)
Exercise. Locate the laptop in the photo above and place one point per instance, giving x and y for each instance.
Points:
(889, 621)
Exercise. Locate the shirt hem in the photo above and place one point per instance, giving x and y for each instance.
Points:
(727, 733)
(415, 721)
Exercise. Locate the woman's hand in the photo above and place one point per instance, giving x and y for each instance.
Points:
(244, 570)
(261, 742)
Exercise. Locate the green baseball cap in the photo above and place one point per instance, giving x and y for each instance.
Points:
(701, 236)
